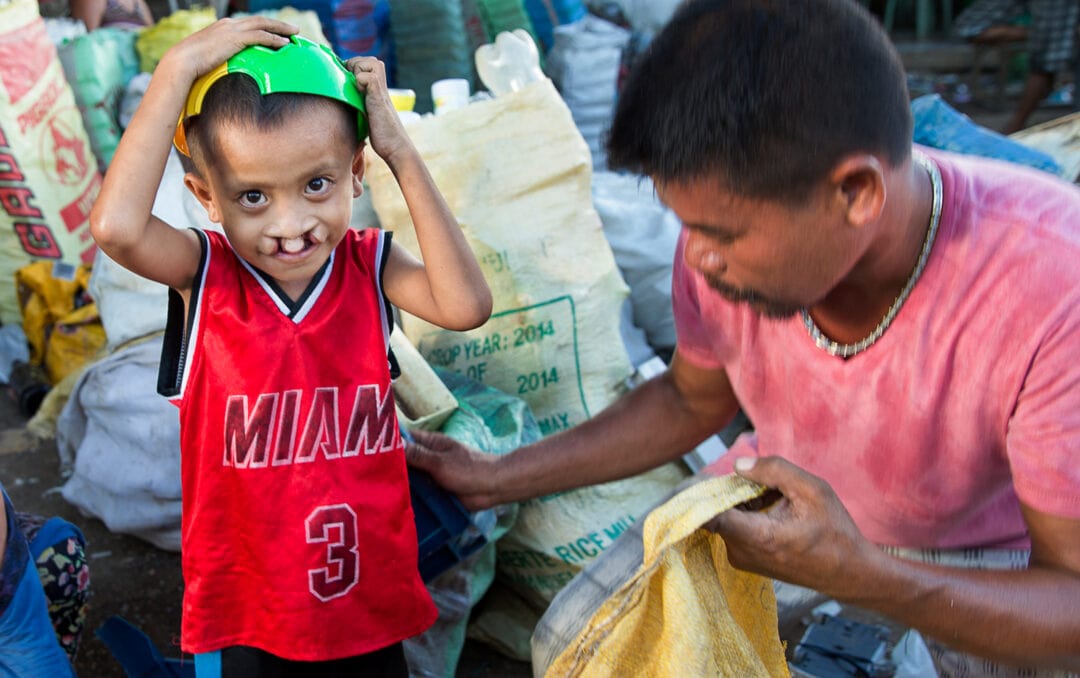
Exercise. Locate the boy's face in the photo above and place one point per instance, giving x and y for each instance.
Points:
(283, 195)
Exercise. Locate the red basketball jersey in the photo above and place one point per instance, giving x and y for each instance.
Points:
(298, 532)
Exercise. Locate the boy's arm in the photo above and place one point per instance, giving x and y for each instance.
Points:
(447, 288)
(121, 220)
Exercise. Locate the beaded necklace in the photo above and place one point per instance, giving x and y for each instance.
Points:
(847, 350)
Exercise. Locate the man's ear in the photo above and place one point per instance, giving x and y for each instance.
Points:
(358, 171)
(859, 182)
(201, 190)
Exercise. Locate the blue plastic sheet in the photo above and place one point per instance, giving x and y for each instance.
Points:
(939, 125)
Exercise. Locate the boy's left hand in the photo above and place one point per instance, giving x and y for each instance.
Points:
(386, 133)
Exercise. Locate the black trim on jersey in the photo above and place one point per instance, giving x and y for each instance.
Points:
(178, 329)
(293, 306)
(395, 369)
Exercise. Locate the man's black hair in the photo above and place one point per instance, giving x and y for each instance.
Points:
(236, 98)
(764, 95)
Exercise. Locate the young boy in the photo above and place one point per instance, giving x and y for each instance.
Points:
(298, 537)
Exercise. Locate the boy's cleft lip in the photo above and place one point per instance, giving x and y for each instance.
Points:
(292, 245)
(298, 246)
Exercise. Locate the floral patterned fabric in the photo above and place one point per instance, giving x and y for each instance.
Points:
(58, 549)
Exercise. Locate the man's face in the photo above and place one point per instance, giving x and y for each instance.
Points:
(283, 195)
(777, 258)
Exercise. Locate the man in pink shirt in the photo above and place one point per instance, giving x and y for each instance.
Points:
(900, 326)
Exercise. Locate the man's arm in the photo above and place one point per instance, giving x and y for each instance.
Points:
(651, 425)
(1023, 617)
(90, 12)
(1036, 88)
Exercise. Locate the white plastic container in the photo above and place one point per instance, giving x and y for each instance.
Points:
(450, 94)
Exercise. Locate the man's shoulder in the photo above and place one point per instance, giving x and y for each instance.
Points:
(1007, 257)
(987, 186)
(1000, 212)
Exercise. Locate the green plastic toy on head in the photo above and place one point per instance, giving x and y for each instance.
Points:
(299, 67)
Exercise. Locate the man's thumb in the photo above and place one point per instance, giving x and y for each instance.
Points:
(768, 471)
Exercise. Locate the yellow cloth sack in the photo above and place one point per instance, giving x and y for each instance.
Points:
(686, 611)
(77, 339)
(61, 323)
(155, 40)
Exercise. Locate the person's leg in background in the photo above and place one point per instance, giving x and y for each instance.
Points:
(991, 21)
(1051, 42)
(1051, 46)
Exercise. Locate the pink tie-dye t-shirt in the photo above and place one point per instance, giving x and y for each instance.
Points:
(969, 401)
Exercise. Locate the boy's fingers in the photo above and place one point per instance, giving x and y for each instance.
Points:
(263, 23)
(257, 30)
(278, 34)
(363, 63)
(363, 67)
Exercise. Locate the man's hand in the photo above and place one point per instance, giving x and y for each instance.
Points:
(1022, 617)
(805, 538)
(466, 472)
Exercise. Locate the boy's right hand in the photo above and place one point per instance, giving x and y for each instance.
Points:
(205, 50)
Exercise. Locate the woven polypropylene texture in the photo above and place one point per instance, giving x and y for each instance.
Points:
(686, 611)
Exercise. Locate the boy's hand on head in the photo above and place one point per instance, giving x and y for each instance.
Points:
(387, 134)
(205, 50)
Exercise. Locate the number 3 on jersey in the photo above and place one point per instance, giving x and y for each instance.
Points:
(336, 527)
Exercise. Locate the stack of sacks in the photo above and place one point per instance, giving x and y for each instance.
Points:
(352, 27)
(99, 65)
(545, 15)
(430, 44)
(504, 15)
(584, 64)
(647, 16)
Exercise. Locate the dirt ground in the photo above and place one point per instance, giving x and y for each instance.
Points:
(129, 577)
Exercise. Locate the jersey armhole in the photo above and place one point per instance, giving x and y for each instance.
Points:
(388, 309)
(175, 347)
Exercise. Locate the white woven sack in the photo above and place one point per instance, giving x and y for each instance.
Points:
(517, 175)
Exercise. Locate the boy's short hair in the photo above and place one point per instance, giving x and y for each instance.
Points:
(235, 98)
(765, 95)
